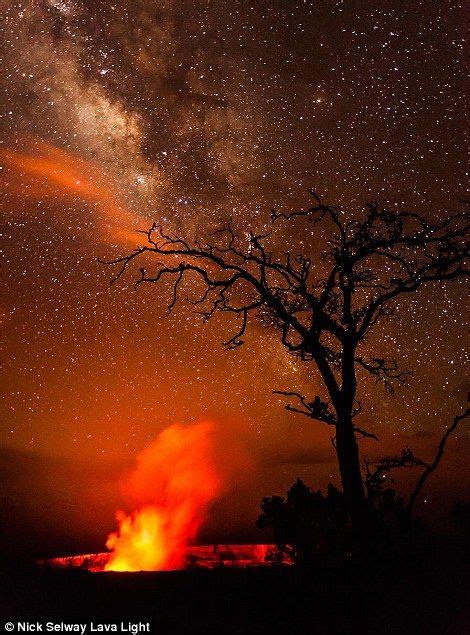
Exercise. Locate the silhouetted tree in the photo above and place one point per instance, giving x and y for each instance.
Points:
(375, 478)
(323, 313)
(379, 474)
(306, 522)
(387, 507)
(432, 467)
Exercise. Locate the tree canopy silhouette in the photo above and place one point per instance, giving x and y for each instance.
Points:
(305, 521)
(322, 310)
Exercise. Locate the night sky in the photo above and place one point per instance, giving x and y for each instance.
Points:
(118, 114)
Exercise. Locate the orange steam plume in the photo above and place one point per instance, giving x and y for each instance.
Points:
(173, 484)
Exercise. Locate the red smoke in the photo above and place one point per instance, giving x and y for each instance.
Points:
(173, 484)
(42, 171)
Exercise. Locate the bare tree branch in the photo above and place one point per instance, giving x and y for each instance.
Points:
(316, 409)
(385, 370)
(323, 313)
(375, 478)
(432, 467)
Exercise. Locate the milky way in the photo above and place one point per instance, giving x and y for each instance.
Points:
(118, 114)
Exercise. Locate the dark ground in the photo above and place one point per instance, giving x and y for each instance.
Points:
(425, 593)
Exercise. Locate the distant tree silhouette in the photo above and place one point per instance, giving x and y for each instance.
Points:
(376, 477)
(432, 467)
(323, 313)
(306, 522)
(387, 507)
(381, 498)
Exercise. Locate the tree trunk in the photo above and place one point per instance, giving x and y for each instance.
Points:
(347, 451)
(347, 448)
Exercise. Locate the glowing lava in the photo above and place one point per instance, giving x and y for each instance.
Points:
(200, 557)
(173, 484)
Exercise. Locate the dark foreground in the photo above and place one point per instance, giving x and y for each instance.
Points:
(426, 592)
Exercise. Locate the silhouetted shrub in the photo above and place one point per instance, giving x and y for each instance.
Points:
(307, 522)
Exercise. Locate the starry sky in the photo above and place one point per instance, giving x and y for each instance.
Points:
(118, 114)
